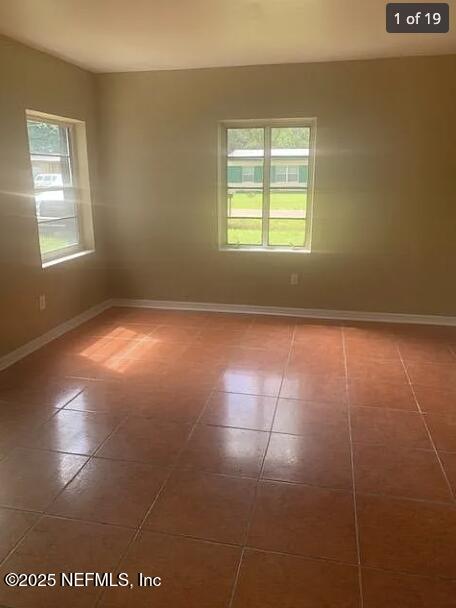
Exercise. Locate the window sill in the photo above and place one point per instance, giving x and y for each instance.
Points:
(267, 249)
(67, 258)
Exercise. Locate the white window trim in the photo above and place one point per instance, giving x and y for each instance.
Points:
(222, 158)
(80, 171)
(68, 258)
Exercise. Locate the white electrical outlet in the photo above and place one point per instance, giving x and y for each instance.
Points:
(42, 302)
(294, 278)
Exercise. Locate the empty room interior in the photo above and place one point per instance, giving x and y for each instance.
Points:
(227, 304)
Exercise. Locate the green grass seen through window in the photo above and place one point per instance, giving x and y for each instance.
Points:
(286, 223)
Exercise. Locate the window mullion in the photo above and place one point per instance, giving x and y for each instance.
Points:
(266, 185)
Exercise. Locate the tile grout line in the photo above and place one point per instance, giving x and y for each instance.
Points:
(266, 480)
(171, 470)
(236, 577)
(363, 406)
(259, 478)
(122, 421)
(423, 418)
(355, 508)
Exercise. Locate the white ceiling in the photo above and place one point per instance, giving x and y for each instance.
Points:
(127, 35)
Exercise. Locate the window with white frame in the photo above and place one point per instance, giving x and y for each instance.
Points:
(273, 209)
(248, 174)
(292, 174)
(58, 158)
(281, 173)
(287, 174)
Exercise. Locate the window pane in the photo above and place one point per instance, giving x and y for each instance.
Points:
(289, 233)
(290, 138)
(47, 138)
(244, 232)
(51, 171)
(288, 204)
(290, 172)
(244, 203)
(56, 234)
(55, 203)
(245, 143)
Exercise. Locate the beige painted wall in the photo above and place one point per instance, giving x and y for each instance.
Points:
(33, 80)
(385, 217)
(385, 212)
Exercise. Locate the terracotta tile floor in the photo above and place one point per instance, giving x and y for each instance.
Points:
(249, 461)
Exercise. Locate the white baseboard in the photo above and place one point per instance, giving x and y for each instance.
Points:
(52, 334)
(310, 313)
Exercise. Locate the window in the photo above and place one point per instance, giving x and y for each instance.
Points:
(266, 170)
(281, 173)
(248, 174)
(287, 174)
(60, 182)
